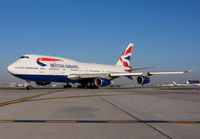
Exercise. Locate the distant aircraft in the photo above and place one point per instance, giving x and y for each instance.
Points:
(193, 82)
(46, 69)
(188, 83)
(175, 84)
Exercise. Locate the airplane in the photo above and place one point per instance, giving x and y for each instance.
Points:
(188, 83)
(175, 84)
(46, 69)
(193, 82)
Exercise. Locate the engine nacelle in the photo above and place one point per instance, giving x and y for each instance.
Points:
(143, 79)
(42, 83)
(100, 82)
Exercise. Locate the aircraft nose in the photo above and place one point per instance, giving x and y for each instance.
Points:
(10, 68)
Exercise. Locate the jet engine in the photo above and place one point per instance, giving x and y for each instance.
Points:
(42, 83)
(143, 80)
(100, 82)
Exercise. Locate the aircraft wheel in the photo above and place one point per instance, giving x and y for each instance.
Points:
(67, 86)
(81, 86)
(29, 87)
(92, 87)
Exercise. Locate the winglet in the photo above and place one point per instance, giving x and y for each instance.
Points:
(190, 70)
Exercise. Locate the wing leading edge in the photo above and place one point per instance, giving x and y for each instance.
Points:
(121, 74)
(147, 73)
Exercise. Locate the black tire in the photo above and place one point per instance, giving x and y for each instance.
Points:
(92, 87)
(29, 87)
(67, 86)
(80, 86)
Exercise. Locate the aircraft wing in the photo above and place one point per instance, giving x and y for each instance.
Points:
(104, 75)
(146, 73)
(127, 74)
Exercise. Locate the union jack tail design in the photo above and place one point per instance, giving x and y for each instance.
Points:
(126, 57)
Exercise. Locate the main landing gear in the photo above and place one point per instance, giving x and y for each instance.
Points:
(67, 85)
(88, 86)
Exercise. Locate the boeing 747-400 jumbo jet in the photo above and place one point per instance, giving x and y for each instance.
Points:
(46, 69)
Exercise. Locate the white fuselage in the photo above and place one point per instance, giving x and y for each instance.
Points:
(29, 68)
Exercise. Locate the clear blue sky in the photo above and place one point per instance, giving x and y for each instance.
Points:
(166, 33)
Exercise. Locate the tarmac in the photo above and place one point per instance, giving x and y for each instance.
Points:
(105, 113)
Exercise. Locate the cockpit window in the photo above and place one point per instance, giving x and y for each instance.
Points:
(24, 57)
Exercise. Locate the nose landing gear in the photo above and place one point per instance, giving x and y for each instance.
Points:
(27, 85)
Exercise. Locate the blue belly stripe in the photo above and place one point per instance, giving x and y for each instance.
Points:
(50, 78)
